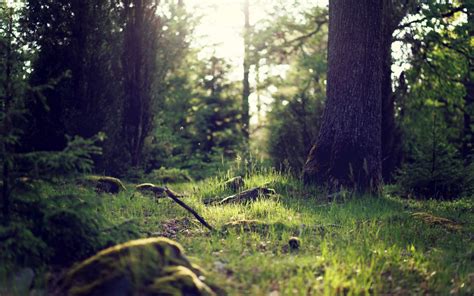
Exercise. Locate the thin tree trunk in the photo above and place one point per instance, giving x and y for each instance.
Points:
(348, 150)
(246, 84)
(7, 126)
(468, 132)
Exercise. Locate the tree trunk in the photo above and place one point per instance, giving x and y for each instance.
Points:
(246, 84)
(7, 104)
(388, 98)
(139, 66)
(468, 132)
(348, 150)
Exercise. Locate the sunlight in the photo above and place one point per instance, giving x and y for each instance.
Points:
(220, 30)
(219, 33)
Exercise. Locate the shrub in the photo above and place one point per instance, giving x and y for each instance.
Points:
(440, 174)
(70, 237)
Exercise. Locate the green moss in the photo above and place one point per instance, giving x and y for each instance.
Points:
(178, 280)
(151, 188)
(104, 184)
(133, 266)
(234, 184)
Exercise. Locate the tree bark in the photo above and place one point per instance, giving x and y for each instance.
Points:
(7, 104)
(139, 65)
(246, 83)
(468, 132)
(348, 150)
(388, 97)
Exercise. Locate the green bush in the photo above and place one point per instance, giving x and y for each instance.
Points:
(70, 237)
(440, 174)
(20, 247)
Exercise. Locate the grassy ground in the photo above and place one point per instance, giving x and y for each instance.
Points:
(363, 245)
(349, 246)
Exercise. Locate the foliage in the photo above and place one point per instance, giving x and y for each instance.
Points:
(57, 224)
(295, 114)
(198, 126)
(436, 172)
(99, 93)
(435, 106)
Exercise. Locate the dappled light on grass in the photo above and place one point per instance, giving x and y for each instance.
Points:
(362, 245)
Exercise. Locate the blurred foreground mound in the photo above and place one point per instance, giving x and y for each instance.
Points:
(153, 266)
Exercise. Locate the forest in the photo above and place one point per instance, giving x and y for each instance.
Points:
(236, 147)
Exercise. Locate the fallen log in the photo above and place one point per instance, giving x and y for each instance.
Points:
(103, 184)
(234, 184)
(248, 195)
(151, 188)
(156, 190)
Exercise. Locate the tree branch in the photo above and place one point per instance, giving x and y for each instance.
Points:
(443, 15)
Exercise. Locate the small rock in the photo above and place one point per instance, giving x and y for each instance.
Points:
(294, 243)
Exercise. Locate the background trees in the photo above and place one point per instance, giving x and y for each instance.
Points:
(112, 59)
(127, 69)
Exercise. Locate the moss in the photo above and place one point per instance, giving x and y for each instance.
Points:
(253, 226)
(234, 184)
(133, 266)
(248, 195)
(434, 220)
(151, 188)
(294, 243)
(104, 184)
(178, 280)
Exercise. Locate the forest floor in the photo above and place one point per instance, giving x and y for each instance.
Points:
(356, 246)
(350, 246)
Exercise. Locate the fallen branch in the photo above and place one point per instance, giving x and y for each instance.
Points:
(248, 195)
(175, 198)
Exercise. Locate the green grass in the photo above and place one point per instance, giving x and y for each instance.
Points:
(363, 245)
(350, 246)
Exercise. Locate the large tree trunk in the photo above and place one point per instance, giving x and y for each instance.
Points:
(348, 150)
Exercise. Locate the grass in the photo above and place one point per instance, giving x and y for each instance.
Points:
(363, 245)
(357, 246)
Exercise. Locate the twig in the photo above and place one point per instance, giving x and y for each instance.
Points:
(175, 198)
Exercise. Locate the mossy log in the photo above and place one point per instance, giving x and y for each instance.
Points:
(434, 220)
(234, 184)
(153, 266)
(157, 191)
(248, 195)
(104, 184)
(258, 226)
